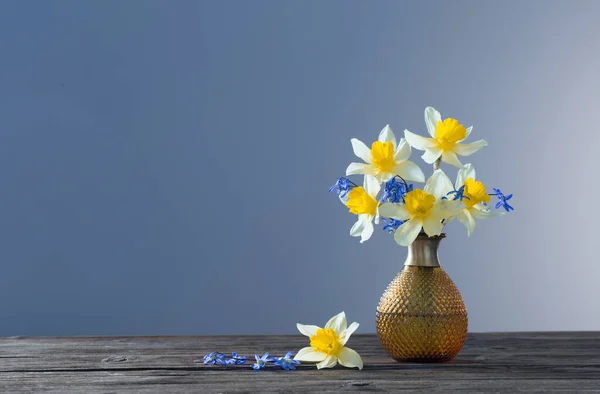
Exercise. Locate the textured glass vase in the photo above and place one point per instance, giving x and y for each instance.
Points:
(422, 316)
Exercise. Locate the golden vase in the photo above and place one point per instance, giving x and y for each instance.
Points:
(422, 316)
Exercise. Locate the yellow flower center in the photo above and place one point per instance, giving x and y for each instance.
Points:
(382, 155)
(419, 203)
(449, 132)
(360, 202)
(327, 341)
(475, 191)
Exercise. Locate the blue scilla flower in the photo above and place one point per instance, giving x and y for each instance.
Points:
(395, 189)
(215, 358)
(502, 200)
(261, 362)
(236, 359)
(342, 186)
(458, 194)
(287, 362)
(392, 225)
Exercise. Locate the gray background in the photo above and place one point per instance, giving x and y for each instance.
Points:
(164, 165)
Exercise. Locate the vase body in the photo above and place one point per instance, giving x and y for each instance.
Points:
(422, 316)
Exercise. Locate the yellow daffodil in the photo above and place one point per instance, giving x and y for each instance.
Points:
(327, 345)
(385, 159)
(446, 139)
(423, 209)
(362, 201)
(474, 196)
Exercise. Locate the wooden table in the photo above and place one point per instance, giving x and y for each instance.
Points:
(498, 362)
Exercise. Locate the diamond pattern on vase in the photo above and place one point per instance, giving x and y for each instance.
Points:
(422, 316)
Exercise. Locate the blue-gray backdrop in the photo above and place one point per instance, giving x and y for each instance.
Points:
(164, 165)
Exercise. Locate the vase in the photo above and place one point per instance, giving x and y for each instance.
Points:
(421, 316)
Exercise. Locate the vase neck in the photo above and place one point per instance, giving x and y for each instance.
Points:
(423, 252)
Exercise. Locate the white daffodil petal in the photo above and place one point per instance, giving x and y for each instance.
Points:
(390, 210)
(418, 142)
(386, 135)
(360, 168)
(361, 150)
(450, 158)
(431, 155)
(448, 208)
(350, 359)
(469, 149)
(484, 214)
(403, 151)
(359, 226)
(338, 323)
(469, 129)
(329, 362)
(432, 117)
(468, 171)
(309, 354)
(438, 184)
(466, 218)
(432, 226)
(344, 336)
(367, 232)
(408, 232)
(409, 171)
(307, 330)
(371, 185)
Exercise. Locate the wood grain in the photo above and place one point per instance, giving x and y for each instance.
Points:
(497, 362)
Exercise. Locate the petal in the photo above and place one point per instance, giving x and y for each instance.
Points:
(360, 168)
(445, 209)
(468, 171)
(307, 330)
(408, 232)
(309, 354)
(418, 142)
(438, 184)
(469, 129)
(431, 155)
(350, 359)
(390, 210)
(403, 151)
(338, 323)
(346, 334)
(367, 232)
(409, 171)
(432, 117)
(329, 362)
(450, 158)
(360, 225)
(387, 134)
(361, 150)
(469, 149)
(484, 213)
(466, 218)
(371, 185)
(432, 226)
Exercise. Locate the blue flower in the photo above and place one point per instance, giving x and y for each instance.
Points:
(236, 360)
(342, 186)
(286, 362)
(392, 225)
(458, 194)
(261, 362)
(395, 190)
(502, 200)
(214, 358)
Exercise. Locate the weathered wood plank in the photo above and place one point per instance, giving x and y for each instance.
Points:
(501, 362)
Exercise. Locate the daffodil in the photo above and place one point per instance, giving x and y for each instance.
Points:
(385, 159)
(423, 208)
(446, 139)
(474, 196)
(327, 345)
(362, 201)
